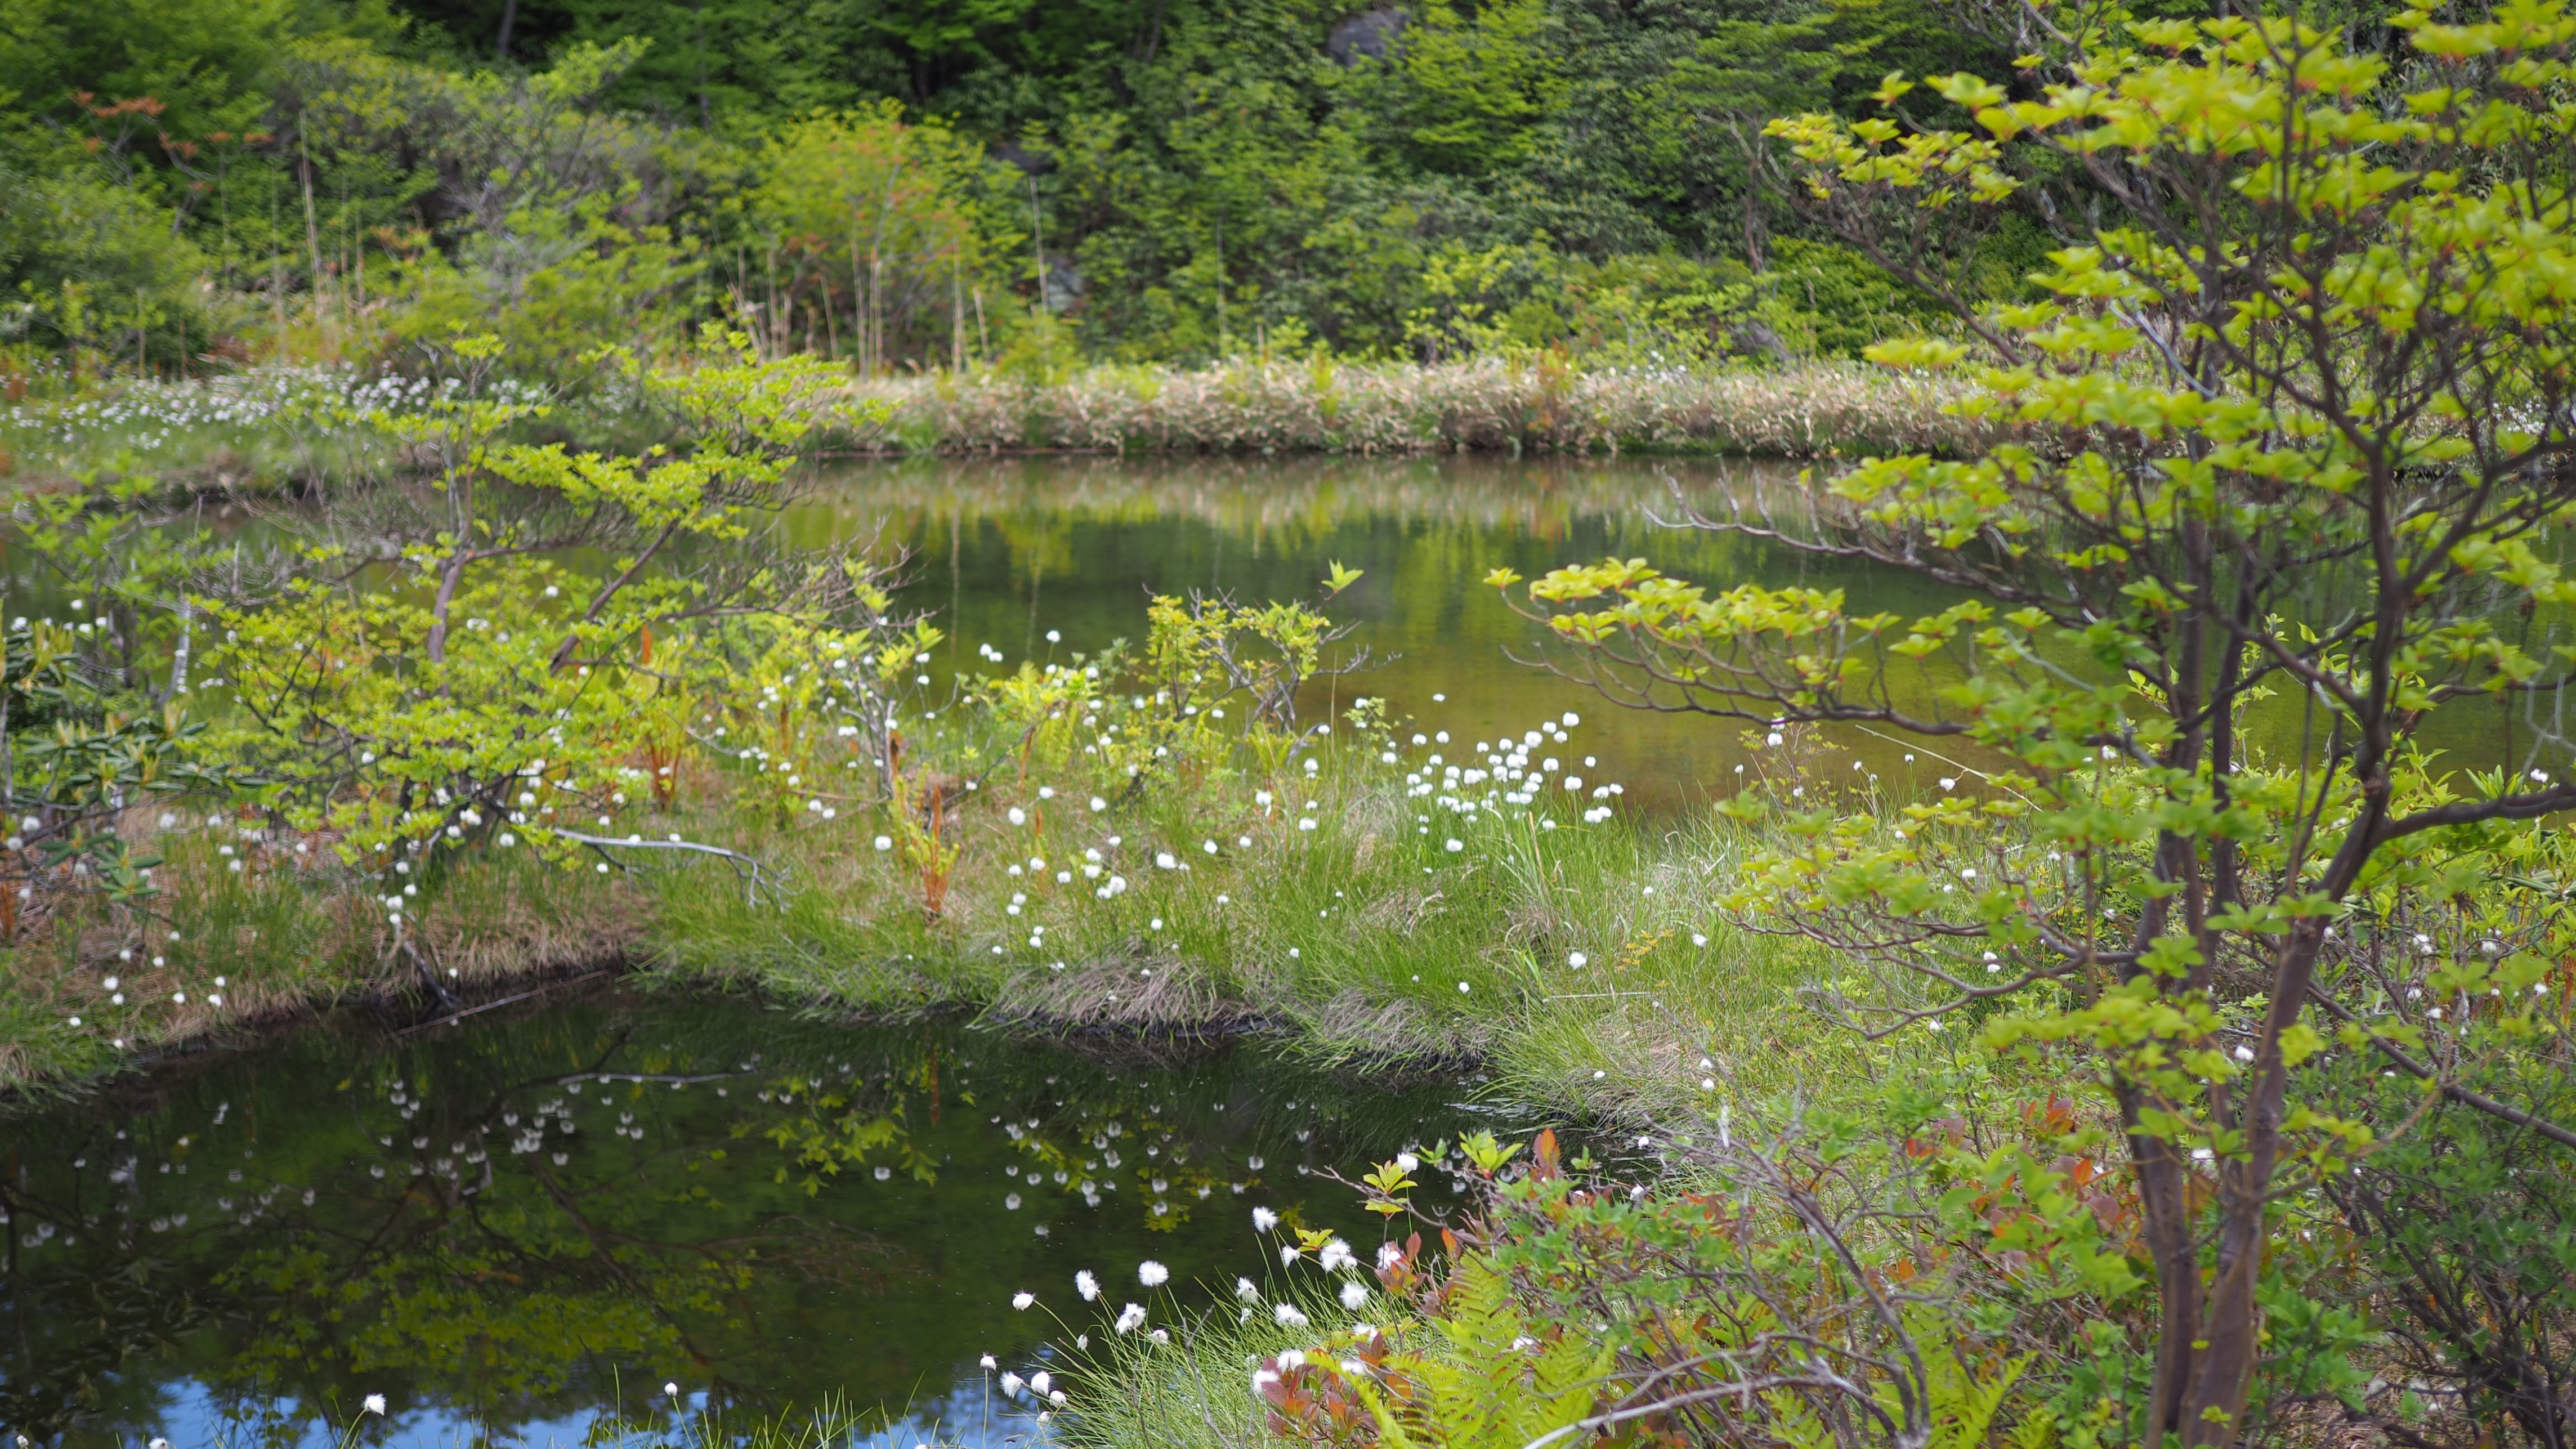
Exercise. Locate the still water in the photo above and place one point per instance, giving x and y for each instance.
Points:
(1045, 556)
(1006, 551)
(516, 1228)
(519, 1230)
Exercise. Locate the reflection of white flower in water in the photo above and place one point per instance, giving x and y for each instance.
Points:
(1021, 1301)
(1288, 1315)
(1152, 1274)
(375, 1403)
(1337, 1256)
(1130, 1318)
(1086, 1285)
(1263, 1220)
(1244, 1290)
(1353, 1295)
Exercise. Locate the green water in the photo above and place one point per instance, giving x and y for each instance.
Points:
(514, 1227)
(1004, 551)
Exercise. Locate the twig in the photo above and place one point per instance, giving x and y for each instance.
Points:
(454, 1017)
(749, 868)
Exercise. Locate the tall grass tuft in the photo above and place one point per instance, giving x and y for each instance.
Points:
(1250, 406)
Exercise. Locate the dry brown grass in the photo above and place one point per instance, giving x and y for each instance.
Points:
(1395, 408)
(1146, 993)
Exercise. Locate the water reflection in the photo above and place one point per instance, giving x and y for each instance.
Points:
(514, 1228)
(1008, 551)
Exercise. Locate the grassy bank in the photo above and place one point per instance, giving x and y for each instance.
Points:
(1579, 958)
(279, 428)
(1812, 410)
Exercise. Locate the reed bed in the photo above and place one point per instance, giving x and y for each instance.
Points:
(1487, 405)
(281, 428)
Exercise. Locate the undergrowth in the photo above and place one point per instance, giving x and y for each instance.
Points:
(1349, 907)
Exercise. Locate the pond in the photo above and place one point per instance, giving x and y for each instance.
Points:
(1039, 556)
(520, 1228)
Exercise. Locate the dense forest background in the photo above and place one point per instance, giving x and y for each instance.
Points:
(940, 183)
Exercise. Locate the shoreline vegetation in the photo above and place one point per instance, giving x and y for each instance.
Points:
(1489, 404)
(1284, 930)
(276, 429)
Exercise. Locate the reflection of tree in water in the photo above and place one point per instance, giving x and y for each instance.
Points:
(458, 1260)
(337, 1216)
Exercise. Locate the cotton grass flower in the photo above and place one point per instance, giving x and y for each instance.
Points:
(1288, 1315)
(373, 1404)
(1354, 1294)
(1263, 1220)
(1337, 1257)
(1152, 1274)
(1086, 1285)
(1021, 1301)
(1244, 1290)
(1130, 1318)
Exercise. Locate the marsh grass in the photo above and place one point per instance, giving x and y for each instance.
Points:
(252, 432)
(1326, 906)
(280, 429)
(1195, 1391)
(1260, 406)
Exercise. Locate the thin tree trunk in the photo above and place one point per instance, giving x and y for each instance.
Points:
(276, 269)
(312, 222)
(858, 295)
(769, 270)
(1037, 238)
